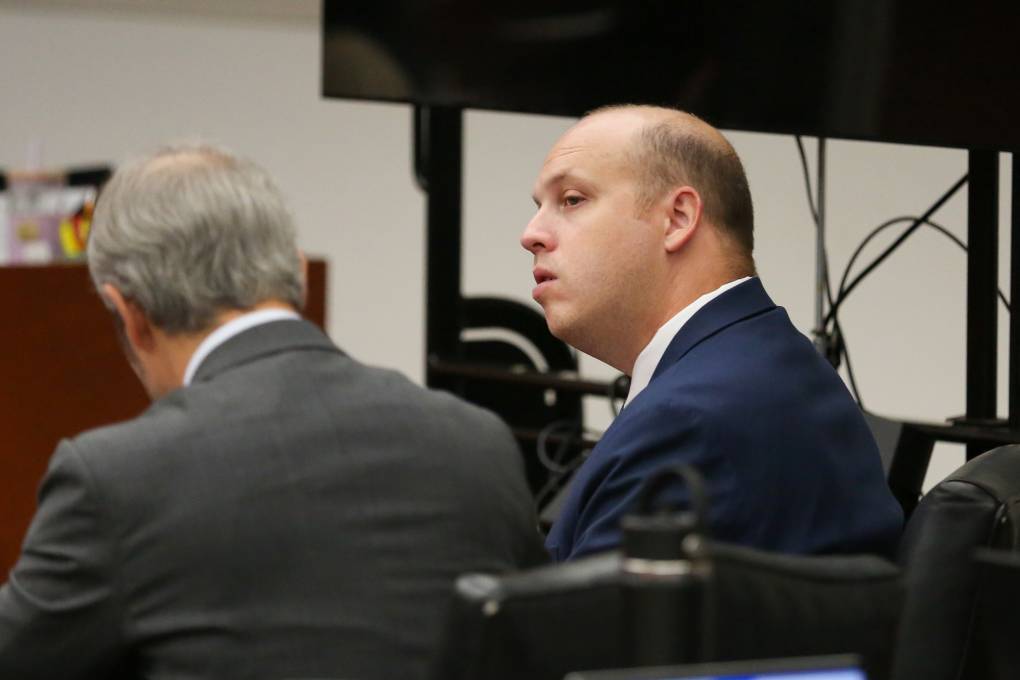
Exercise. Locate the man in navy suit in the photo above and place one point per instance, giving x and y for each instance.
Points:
(642, 247)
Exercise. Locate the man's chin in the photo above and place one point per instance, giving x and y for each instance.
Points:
(560, 329)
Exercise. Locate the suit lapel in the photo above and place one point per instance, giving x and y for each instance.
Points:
(739, 303)
(263, 340)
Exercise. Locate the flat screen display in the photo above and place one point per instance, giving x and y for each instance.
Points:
(892, 70)
(820, 668)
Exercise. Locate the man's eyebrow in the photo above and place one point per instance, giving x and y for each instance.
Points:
(552, 181)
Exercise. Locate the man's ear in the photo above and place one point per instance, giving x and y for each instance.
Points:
(683, 217)
(137, 327)
(304, 277)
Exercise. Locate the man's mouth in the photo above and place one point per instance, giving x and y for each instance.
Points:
(543, 279)
(543, 275)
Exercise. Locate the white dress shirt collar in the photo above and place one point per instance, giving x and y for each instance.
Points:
(228, 330)
(648, 359)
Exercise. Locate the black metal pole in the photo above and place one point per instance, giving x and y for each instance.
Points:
(982, 285)
(821, 264)
(1014, 295)
(438, 165)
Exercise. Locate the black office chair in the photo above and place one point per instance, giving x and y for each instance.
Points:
(679, 600)
(994, 653)
(976, 506)
(905, 450)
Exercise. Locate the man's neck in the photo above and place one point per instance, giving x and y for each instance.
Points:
(682, 290)
(648, 359)
(180, 347)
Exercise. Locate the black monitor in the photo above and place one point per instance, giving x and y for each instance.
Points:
(813, 668)
(894, 70)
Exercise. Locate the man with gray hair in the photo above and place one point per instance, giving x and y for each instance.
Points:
(280, 510)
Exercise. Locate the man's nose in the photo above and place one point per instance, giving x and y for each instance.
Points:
(537, 236)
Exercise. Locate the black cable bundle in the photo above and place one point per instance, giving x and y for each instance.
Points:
(831, 335)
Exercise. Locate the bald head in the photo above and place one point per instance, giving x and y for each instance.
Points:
(632, 227)
(668, 148)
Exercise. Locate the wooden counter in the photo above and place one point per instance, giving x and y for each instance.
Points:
(62, 371)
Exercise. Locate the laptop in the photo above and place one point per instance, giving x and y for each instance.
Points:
(806, 668)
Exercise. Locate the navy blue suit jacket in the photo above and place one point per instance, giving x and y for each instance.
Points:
(740, 394)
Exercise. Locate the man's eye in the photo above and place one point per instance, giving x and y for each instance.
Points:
(573, 199)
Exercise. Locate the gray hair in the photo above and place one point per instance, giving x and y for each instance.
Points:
(191, 231)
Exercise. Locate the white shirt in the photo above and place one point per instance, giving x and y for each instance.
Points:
(648, 360)
(228, 330)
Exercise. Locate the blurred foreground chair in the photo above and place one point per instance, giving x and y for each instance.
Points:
(994, 653)
(976, 506)
(670, 596)
(541, 624)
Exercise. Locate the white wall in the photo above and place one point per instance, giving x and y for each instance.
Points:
(101, 81)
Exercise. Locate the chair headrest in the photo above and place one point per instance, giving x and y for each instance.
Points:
(996, 472)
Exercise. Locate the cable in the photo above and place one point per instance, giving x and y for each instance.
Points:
(571, 432)
(917, 222)
(557, 464)
(815, 217)
(807, 178)
(899, 220)
(834, 344)
(831, 345)
(619, 386)
(845, 289)
(842, 344)
(841, 339)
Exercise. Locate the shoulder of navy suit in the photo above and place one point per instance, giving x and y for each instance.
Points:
(651, 416)
(264, 340)
(741, 302)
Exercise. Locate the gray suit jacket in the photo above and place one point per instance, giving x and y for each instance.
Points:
(292, 513)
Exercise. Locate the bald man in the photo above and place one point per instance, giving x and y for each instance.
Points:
(643, 258)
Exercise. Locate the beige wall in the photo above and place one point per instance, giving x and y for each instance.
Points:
(99, 81)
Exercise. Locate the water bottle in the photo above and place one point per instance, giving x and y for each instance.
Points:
(666, 577)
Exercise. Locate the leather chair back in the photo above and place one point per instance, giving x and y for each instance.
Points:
(976, 506)
(994, 653)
